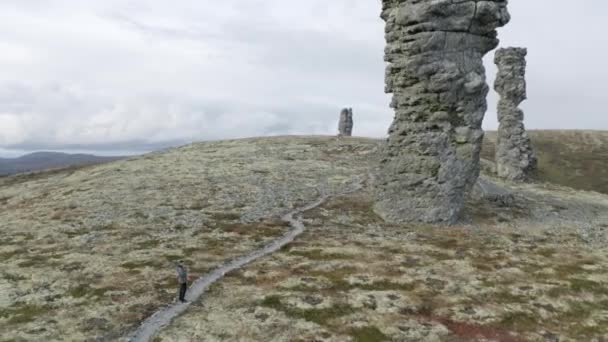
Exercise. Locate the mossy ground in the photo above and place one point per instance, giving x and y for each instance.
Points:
(352, 277)
(89, 252)
(100, 242)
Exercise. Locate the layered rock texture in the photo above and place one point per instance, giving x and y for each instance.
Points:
(435, 72)
(345, 126)
(515, 158)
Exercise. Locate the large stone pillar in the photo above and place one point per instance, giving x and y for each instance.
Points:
(435, 71)
(515, 158)
(345, 126)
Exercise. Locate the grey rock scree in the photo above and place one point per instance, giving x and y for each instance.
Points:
(436, 74)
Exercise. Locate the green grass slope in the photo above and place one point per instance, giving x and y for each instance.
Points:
(578, 159)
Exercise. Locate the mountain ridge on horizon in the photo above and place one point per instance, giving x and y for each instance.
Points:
(42, 160)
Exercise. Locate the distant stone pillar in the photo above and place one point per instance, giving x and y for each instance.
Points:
(515, 158)
(435, 71)
(345, 126)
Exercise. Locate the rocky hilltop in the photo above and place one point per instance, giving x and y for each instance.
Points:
(87, 252)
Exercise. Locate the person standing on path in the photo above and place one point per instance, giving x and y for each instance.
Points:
(182, 279)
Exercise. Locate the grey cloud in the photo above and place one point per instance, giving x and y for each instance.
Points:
(566, 77)
(147, 74)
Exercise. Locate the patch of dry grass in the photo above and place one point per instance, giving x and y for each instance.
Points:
(577, 159)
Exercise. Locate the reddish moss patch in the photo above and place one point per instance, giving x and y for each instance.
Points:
(470, 331)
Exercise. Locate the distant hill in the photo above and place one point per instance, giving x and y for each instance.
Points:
(578, 159)
(48, 160)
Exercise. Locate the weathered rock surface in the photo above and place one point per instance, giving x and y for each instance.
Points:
(489, 191)
(435, 72)
(515, 158)
(345, 126)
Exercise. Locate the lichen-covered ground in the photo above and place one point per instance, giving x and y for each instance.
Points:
(88, 252)
(352, 277)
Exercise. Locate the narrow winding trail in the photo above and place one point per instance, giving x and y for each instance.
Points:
(163, 317)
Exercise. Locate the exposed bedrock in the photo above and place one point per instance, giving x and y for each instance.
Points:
(345, 126)
(515, 158)
(434, 51)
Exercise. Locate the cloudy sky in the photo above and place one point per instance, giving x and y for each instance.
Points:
(123, 76)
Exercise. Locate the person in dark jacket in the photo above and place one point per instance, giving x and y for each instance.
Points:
(182, 280)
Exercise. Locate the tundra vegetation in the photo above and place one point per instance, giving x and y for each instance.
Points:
(87, 252)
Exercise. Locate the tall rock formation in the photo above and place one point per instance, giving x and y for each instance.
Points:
(436, 74)
(345, 126)
(515, 158)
